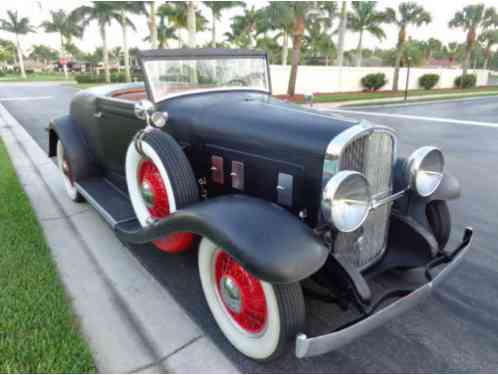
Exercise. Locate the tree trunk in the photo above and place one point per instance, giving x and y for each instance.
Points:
(105, 52)
(466, 60)
(191, 24)
(297, 41)
(487, 57)
(126, 52)
(285, 48)
(64, 66)
(213, 30)
(153, 25)
(399, 53)
(20, 58)
(358, 49)
(342, 33)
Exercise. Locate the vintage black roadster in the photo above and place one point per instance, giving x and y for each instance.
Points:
(280, 201)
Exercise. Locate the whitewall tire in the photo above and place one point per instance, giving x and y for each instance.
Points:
(67, 174)
(259, 319)
(159, 185)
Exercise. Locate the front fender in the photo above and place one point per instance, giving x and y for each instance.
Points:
(267, 240)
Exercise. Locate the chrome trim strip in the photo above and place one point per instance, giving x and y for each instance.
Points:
(313, 346)
(194, 92)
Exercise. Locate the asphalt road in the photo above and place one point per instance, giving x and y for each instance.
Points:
(456, 330)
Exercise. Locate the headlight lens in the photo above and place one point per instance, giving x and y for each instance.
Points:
(426, 170)
(346, 200)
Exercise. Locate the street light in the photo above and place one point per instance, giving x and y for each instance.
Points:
(408, 60)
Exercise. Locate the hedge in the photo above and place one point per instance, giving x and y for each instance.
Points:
(374, 81)
(466, 81)
(428, 81)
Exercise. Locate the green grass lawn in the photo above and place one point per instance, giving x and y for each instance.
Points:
(38, 331)
(329, 98)
(35, 77)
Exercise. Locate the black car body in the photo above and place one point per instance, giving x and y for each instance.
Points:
(293, 195)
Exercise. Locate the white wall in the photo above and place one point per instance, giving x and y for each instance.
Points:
(329, 79)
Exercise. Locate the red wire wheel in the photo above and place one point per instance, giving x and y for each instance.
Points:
(242, 294)
(156, 199)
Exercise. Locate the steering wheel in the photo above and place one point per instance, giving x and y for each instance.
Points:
(236, 82)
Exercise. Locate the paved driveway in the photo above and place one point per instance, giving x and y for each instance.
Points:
(456, 330)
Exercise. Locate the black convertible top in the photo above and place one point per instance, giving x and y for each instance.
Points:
(200, 52)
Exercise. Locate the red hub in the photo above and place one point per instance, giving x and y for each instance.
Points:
(155, 196)
(241, 293)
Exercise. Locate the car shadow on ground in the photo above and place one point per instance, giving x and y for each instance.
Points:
(179, 275)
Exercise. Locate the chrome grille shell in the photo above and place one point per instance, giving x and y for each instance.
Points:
(370, 150)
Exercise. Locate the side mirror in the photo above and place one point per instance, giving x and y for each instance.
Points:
(144, 109)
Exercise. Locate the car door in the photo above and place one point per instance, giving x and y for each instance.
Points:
(117, 127)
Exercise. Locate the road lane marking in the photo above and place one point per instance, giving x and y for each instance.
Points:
(25, 98)
(424, 118)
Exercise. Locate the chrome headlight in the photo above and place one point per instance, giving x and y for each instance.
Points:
(425, 170)
(346, 200)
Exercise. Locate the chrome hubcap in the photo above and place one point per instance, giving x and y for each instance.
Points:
(148, 194)
(230, 294)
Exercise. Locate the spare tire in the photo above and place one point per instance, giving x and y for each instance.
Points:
(160, 181)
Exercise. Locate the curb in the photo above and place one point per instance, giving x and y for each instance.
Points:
(130, 321)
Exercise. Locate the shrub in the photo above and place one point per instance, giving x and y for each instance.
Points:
(428, 81)
(88, 78)
(2, 73)
(466, 81)
(118, 77)
(373, 82)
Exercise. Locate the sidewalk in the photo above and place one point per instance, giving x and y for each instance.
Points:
(131, 322)
(400, 99)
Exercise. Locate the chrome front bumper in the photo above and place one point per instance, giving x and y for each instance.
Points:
(313, 346)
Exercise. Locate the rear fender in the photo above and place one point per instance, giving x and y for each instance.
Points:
(76, 149)
(267, 240)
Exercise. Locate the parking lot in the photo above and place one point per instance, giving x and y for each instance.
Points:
(456, 330)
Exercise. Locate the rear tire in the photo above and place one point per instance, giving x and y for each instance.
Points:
(263, 336)
(439, 219)
(67, 175)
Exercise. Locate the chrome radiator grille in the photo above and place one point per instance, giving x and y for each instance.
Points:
(371, 154)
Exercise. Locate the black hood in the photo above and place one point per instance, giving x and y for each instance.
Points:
(257, 123)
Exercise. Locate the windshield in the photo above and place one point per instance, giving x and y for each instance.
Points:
(171, 77)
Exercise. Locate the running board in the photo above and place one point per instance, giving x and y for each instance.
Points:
(111, 203)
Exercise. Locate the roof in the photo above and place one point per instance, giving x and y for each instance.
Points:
(188, 53)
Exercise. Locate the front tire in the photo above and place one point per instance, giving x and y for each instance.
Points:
(160, 181)
(259, 319)
(438, 215)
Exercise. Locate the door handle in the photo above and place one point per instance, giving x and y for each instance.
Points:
(97, 114)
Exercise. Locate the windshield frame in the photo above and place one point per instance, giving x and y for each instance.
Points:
(200, 54)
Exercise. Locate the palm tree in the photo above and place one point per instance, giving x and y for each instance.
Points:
(17, 26)
(177, 15)
(164, 33)
(102, 12)
(489, 38)
(62, 24)
(152, 24)
(300, 12)
(365, 18)
(217, 7)
(125, 7)
(470, 19)
(342, 33)
(248, 26)
(281, 18)
(408, 14)
(318, 44)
